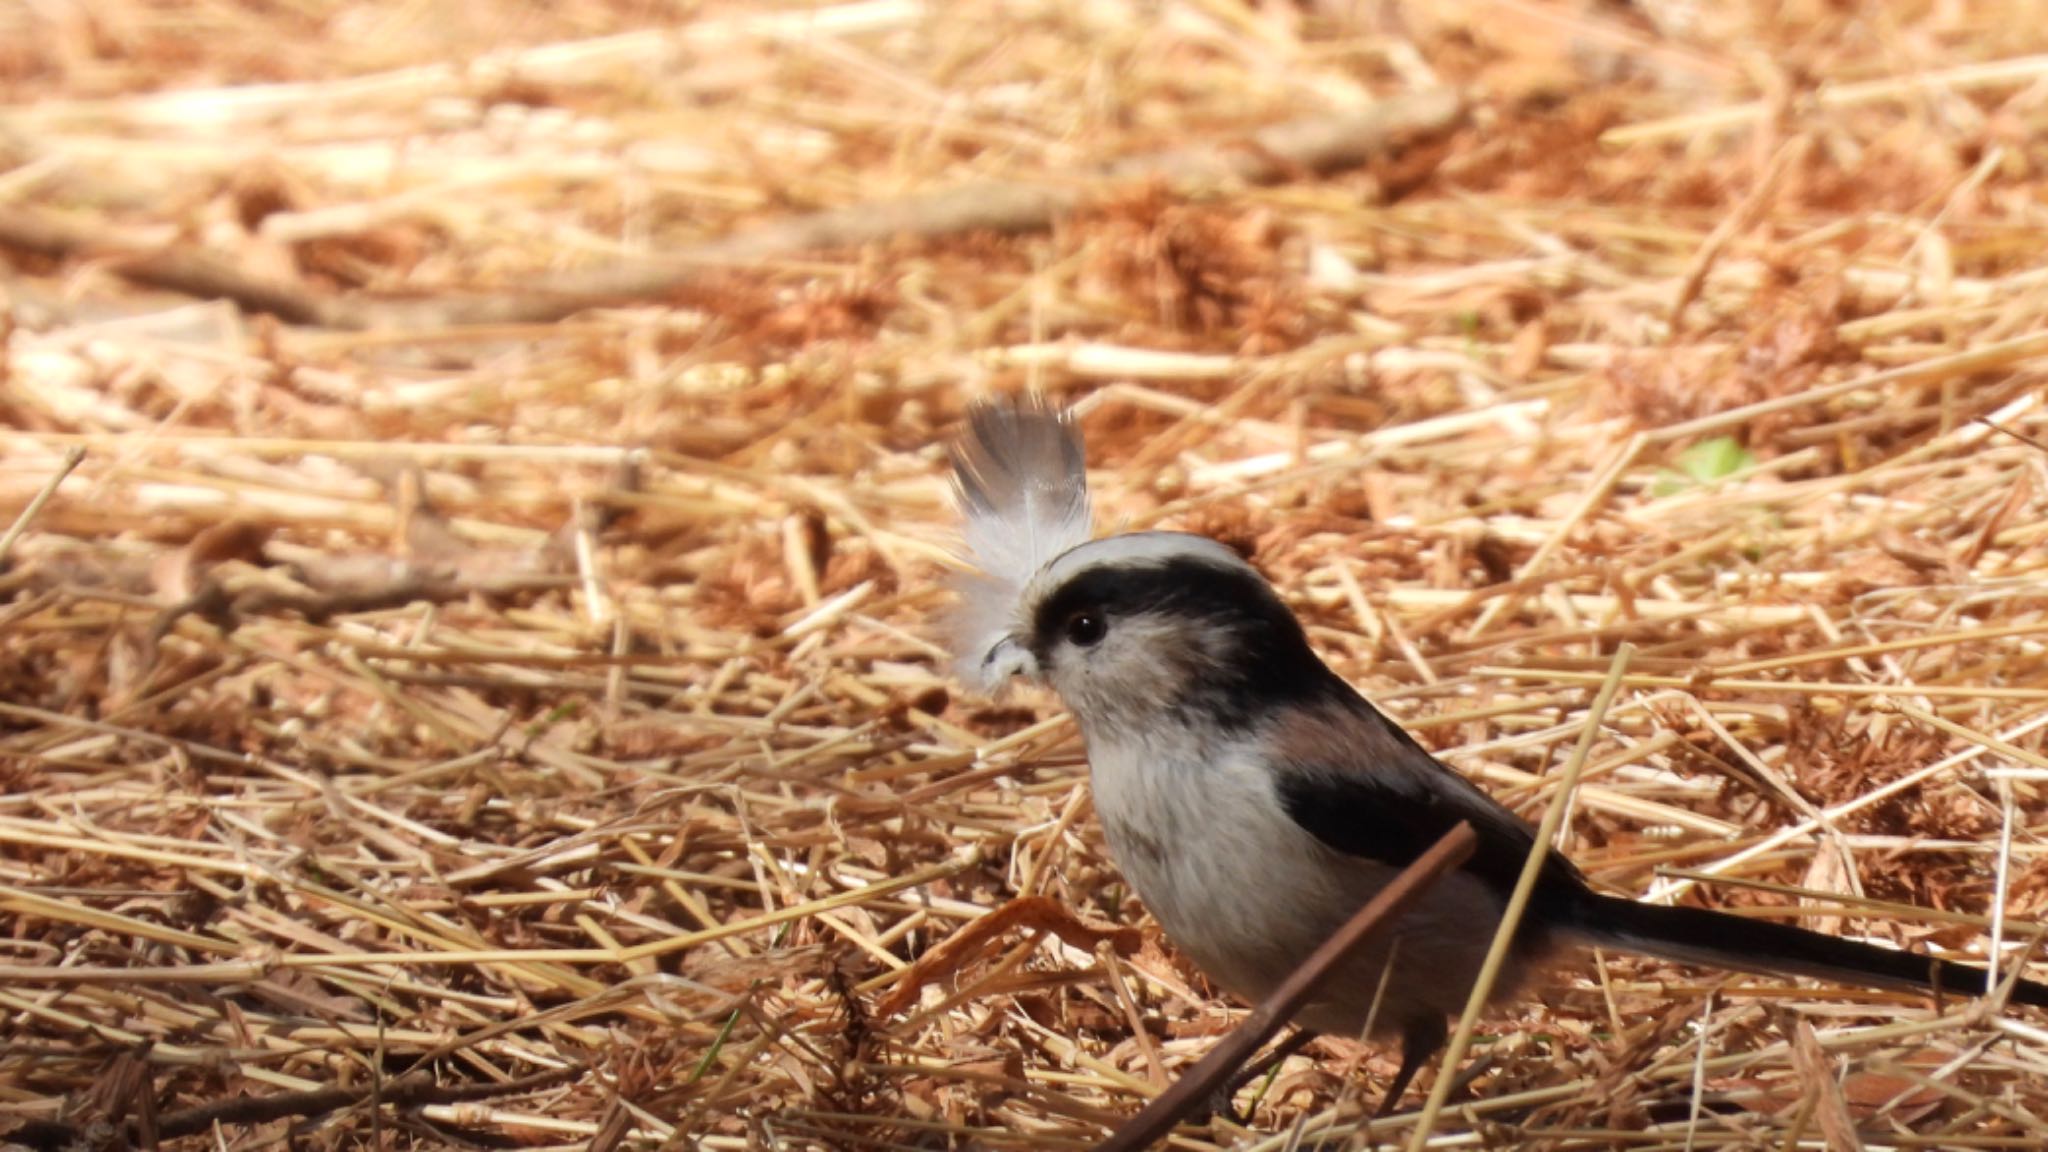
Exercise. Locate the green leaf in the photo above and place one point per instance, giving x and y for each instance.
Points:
(1709, 460)
(1703, 463)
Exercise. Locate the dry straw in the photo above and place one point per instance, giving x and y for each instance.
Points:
(426, 733)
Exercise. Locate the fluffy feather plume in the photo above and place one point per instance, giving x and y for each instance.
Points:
(1021, 481)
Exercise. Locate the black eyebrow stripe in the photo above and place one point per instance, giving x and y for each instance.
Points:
(1259, 657)
(1180, 586)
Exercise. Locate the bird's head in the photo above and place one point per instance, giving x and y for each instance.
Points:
(1131, 630)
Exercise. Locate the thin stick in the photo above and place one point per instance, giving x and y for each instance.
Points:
(1503, 939)
(2003, 354)
(1267, 155)
(42, 497)
(1968, 77)
(193, 271)
(1743, 218)
(1201, 1082)
(252, 1110)
(1596, 493)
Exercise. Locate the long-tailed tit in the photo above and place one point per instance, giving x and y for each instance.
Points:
(1255, 800)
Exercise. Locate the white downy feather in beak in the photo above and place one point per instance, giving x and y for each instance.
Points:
(1021, 481)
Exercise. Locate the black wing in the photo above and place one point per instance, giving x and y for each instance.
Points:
(1388, 800)
(1391, 812)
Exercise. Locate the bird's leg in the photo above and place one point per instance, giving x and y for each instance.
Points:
(1421, 1038)
(1222, 1104)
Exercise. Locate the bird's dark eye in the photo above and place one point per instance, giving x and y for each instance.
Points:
(1086, 629)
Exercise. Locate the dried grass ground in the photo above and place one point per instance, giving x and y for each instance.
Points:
(531, 733)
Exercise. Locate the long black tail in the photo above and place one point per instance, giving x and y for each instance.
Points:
(1716, 939)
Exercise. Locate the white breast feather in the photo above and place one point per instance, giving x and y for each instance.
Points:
(1021, 481)
(1238, 894)
(1248, 893)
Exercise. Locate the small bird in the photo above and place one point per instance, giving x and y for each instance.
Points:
(1255, 800)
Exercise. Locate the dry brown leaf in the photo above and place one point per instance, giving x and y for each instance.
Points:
(1831, 1107)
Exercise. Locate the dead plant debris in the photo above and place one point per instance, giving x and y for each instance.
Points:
(473, 521)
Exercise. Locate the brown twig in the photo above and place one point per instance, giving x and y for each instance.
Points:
(1032, 913)
(411, 1092)
(1268, 155)
(193, 271)
(443, 831)
(35, 504)
(1201, 1082)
